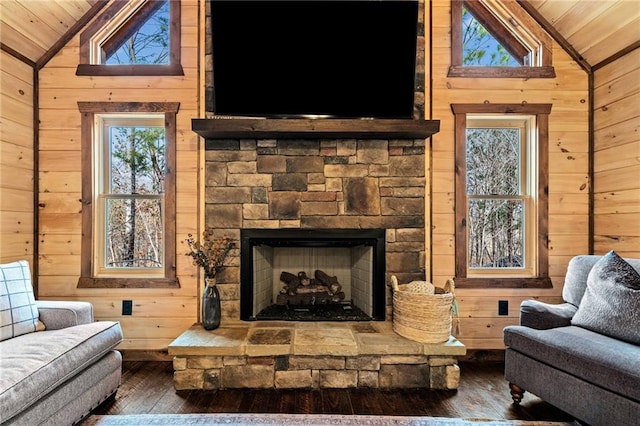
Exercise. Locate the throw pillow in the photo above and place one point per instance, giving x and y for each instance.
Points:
(18, 310)
(611, 302)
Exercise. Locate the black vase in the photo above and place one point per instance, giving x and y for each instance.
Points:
(211, 311)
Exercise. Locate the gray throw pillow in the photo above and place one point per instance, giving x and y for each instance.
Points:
(611, 302)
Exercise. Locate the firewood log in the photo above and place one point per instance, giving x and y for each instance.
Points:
(302, 277)
(287, 277)
(313, 289)
(324, 278)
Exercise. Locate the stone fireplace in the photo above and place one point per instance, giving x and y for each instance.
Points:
(319, 174)
(318, 184)
(336, 191)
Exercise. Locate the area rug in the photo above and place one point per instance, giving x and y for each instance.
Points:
(298, 420)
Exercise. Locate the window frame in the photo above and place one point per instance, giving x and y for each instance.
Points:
(498, 29)
(102, 194)
(134, 15)
(88, 277)
(541, 277)
(527, 183)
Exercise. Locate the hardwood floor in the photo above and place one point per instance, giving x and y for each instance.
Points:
(147, 387)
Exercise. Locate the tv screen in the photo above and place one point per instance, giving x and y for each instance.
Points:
(338, 59)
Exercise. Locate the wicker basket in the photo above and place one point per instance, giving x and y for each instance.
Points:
(420, 314)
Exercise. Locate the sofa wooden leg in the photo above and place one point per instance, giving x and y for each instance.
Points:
(517, 393)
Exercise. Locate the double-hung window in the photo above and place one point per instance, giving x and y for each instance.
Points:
(500, 186)
(501, 195)
(128, 190)
(130, 173)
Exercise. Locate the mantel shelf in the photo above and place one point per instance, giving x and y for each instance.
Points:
(323, 128)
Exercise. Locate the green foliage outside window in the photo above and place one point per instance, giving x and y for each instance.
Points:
(134, 199)
(148, 43)
(479, 47)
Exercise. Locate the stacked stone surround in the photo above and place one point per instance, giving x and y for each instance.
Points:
(275, 355)
(318, 184)
(315, 184)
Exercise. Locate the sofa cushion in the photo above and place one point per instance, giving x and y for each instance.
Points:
(34, 364)
(18, 310)
(611, 302)
(575, 280)
(604, 361)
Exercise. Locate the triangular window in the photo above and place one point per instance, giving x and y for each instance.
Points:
(495, 38)
(480, 46)
(137, 37)
(140, 41)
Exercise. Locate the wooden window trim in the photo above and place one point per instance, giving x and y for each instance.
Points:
(85, 67)
(457, 69)
(88, 110)
(541, 111)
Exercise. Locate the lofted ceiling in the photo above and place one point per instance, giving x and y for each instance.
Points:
(595, 29)
(32, 27)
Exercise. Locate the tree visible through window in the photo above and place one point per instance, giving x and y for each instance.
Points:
(495, 197)
(501, 195)
(145, 41)
(133, 195)
(497, 39)
(128, 195)
(136, 37)
(479, 47)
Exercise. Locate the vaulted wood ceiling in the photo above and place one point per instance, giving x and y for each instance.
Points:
(596, 30)
(32, 27)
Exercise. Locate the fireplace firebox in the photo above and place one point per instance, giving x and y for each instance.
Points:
(312, 274)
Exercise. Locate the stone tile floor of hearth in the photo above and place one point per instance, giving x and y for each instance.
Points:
(270, 338)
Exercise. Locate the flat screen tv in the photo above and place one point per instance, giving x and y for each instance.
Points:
(336, 59)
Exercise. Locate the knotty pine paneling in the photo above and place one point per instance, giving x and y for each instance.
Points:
(16, 163)
(481, 327)
(159, 315)
(616, 156)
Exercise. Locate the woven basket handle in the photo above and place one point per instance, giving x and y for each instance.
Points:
(449, 286)
(394, 283)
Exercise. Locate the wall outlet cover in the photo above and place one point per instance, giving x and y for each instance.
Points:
(503, 307)
(127, 307)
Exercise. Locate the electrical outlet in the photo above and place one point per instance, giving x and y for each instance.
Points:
(127, 307)
(503, 307)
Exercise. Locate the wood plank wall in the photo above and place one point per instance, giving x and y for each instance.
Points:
(16, 160)
(159, 315)
(617, 156)
(481, 327)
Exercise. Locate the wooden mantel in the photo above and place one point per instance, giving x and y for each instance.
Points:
(321, 128)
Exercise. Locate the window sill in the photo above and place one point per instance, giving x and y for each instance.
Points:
(89, 282)
(129, 70)
(534, 282)
(501, 72)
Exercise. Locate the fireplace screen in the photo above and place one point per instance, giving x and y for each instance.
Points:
(312, 275)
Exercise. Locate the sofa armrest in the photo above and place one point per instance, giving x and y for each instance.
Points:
(542, 316)
(61, 314)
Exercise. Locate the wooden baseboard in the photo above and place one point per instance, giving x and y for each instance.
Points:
(483, 355)
(145, 355)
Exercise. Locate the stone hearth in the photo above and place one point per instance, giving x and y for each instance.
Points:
(273, 354)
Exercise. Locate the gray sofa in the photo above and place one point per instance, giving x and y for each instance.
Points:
(582, 356)
(56, 376)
